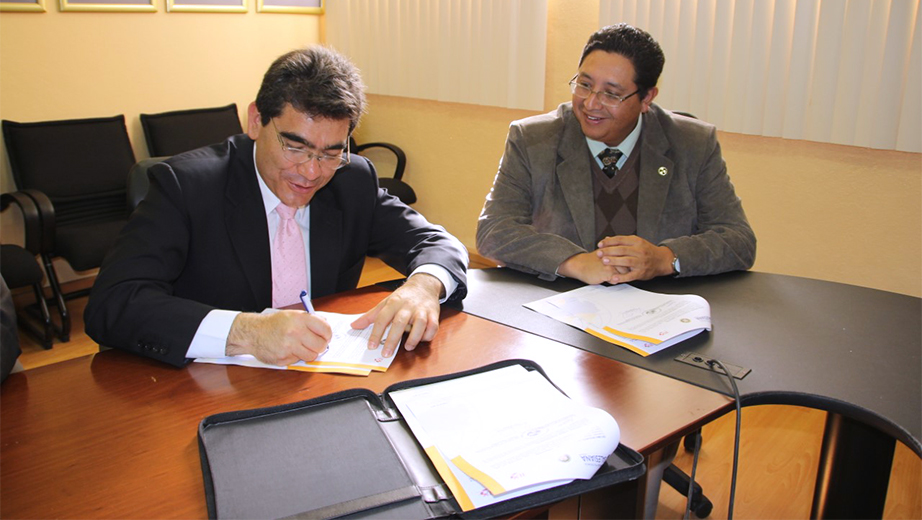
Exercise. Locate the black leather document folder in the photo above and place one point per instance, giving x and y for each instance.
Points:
(350, 455)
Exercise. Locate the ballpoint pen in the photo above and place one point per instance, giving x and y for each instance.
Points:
(307, 303)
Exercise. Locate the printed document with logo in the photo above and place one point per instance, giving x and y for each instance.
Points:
(641, 321)
(506, 433)
(348, 351)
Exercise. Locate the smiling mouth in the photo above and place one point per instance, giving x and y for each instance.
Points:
(300, 188)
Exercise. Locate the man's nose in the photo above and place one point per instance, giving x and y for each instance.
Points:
(593, 101)
(310, 169)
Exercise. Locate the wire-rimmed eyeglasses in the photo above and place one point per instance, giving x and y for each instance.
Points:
(329, 162)
(584, 90)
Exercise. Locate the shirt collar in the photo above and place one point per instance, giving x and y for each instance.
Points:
(270, 201)
(626, 146)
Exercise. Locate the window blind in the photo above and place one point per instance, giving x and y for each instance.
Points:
(836, 71)
(467, 51)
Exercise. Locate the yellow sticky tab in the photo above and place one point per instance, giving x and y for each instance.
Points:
(633, 336)
(610, 339)
(487, 481)
(442, 467)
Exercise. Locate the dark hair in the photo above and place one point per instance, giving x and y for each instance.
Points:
(634, 44)
(316, 81)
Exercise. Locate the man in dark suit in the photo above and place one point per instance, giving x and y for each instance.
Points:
(232, 229)
(612, 188)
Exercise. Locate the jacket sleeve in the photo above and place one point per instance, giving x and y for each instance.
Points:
(519, 226)
(721, 239)
(133, 300)
(405, 239)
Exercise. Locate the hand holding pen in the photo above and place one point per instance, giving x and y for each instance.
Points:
(306, 301)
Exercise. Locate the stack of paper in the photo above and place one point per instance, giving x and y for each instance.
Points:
(505, 433)
(640, 321)
(348, 352)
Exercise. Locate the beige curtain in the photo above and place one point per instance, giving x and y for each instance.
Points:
(486, 52)
(837, 71)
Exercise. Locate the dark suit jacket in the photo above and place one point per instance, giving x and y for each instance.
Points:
(200, 241)
(541, 209)
(9, 335)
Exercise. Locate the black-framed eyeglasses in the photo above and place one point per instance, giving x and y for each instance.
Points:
(329, 162)
(609, 99)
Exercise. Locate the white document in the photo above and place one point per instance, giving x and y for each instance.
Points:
(506, 433)
(348, 352)
(641, 321)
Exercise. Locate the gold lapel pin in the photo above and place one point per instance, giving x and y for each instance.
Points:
(663, 171)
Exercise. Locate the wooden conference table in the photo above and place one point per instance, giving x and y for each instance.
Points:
(113, 435)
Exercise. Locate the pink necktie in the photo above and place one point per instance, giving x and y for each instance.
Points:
(289, 268)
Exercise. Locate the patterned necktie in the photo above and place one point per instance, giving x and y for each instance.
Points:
(610, 160)
(289, 267)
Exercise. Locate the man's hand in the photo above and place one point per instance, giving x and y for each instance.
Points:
(642, 259)
(280, 338)
(589, 268)
(414, 307)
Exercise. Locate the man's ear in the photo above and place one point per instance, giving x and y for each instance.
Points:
(645, 102)
(254, 121)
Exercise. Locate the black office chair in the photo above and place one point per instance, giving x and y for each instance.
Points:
(171, 133)
(395, 184)
(19, 268)
(74, 171)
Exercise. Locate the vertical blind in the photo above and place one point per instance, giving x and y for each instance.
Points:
(836, 71)
(487, 52)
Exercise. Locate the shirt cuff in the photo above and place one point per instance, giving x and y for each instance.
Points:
(210, 340)
(448, 281)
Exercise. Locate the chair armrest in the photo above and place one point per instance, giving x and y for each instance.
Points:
(47, 219)
(32, 220)
(396, 150)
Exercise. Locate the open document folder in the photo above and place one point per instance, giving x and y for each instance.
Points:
(506, 433)
(348, 352)
(640, 321)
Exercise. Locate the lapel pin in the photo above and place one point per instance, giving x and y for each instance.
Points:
(662, 171)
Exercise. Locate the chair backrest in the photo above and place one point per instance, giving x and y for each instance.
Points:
(170, 133)
(80, 164)
(394, 184)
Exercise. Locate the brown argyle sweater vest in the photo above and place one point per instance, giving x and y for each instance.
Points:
(616, 198)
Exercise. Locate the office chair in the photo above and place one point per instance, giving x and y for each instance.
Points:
(19, 268)
(394, 185)
(171, 133)
(74, 171)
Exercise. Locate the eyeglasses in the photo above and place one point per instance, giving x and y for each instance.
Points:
(329, 162)
(582, 90)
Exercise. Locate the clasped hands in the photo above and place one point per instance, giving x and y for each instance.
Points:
(289, 336)
(619, 259)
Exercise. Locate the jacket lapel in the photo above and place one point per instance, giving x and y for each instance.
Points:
(245, 218)
(326, 243)
(574, 175)
(656, 172)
